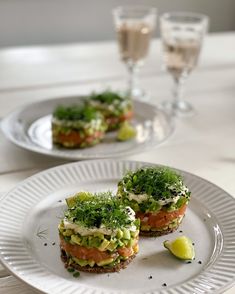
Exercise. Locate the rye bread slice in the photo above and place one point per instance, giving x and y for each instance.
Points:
(95, 269)
(158, 233)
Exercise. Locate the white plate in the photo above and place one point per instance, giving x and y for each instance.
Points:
(30, 127)
(30, 213)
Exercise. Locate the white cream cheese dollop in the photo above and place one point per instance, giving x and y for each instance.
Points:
(137, 197)
(84, 231)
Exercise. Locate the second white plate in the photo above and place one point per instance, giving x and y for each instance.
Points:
(30, 127)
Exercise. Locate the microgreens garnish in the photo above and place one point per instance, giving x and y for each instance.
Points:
(76, 112)
(158, 182)
(107, 97)
(101, 209)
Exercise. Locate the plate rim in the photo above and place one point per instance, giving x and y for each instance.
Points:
(63, 166)
(65, 155)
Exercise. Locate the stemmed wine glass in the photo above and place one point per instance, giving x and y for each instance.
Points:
(182, 35)
(134, 26)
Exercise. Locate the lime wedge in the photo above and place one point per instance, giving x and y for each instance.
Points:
(181, 247)
(82, 196)
(126, 132)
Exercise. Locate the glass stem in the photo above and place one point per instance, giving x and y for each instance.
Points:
(178, 91)
(133, 79)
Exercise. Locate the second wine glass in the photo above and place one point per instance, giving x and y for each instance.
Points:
(134, 26)
(182, 36)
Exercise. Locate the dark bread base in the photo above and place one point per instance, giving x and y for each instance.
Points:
(158, 233)
(95, 269)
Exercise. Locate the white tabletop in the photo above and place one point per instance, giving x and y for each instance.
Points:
(202, 144)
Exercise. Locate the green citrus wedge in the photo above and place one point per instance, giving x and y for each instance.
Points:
(126, 132)
(181, 247)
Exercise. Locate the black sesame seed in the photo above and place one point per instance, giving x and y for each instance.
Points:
(164, 285)
(45, 244)
(181, 231)
(53, 243)
(189, 261)
(150, 277)
(59, 200)
(199, 262)
(193, 244)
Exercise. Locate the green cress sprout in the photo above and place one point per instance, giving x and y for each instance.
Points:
(76, 112)
(158, 182)
(107, 97)
(98, 209)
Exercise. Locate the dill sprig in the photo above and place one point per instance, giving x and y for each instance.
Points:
(76, 112)
(41, 234)
(108, 97)
(101, 209)
(158, 182)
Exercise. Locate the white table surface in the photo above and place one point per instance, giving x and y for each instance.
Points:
(203, 144)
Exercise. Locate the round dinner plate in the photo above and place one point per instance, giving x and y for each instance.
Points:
(30, 127)
(29, 242)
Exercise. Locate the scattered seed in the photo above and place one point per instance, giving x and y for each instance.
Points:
(189, 261)
(193, 244)
(181, 231)
(45, 244)
(199, 262)
(53, 243)
(59, 200)
(76, 275)
(70, 269)
(150, 277)
(164, 285)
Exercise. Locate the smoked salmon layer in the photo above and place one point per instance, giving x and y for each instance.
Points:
(158, 196)
(98, 233)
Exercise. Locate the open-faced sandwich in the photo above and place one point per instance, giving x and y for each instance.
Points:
(115, 107)
(98, 233)
(77, 126)
(158, 196)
